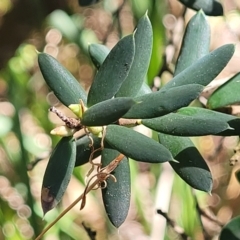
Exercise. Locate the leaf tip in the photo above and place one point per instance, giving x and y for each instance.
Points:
(48, 201)
(174, 160)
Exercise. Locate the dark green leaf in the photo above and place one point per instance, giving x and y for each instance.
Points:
(84, 148)
(233, 122)
(205, 69)
(226, 94)
(143, 49)
(58, 173)
(183, 125)
(107, 112)
(192, 168)
(66, 88)
(136, 145)
(210, 7)
(116, 196)
(231, 230)
(113, 71)
(98, 54)
(163, 102)
(85, 3)
(195, 43)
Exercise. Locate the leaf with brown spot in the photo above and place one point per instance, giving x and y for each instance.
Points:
(58, 173)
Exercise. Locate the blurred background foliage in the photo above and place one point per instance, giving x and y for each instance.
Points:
(64, 29)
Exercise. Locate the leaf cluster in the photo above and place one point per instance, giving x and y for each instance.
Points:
(119, 99)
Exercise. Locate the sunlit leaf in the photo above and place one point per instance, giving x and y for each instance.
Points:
(226, 94)
(159, 10)
(192, 168)
(233, 121)
(98, 53)
(195, 43)
(116, 196)
(143, 49)
(205, 69)
(163, 102)
(210, 7)
(58, 173)
(66, 88)
(113, 71)
(183, 125)
(136, 145)
(231, 230)
(107, 112)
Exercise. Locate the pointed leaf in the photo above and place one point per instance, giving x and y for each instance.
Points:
(163, 102)
(231, 230)
(143, 50)
(113, 71)
(195, 43)
(227, 94)
(66, 88)
(136, 145)
(183, 125)
(205, 69)
(84, 148)
(192, 168)
(107, 112)
(116, 196)
(58, 173)
(233, 121)
(210, 7)
(98, 54)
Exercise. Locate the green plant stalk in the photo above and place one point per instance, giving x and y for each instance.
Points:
(21, 166)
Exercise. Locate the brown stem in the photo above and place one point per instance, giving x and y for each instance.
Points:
(177, 229)
(67, 209)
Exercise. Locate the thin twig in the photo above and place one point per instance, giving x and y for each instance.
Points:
(204, 232)
(209, 217)
(180, 231)
(70, 122)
